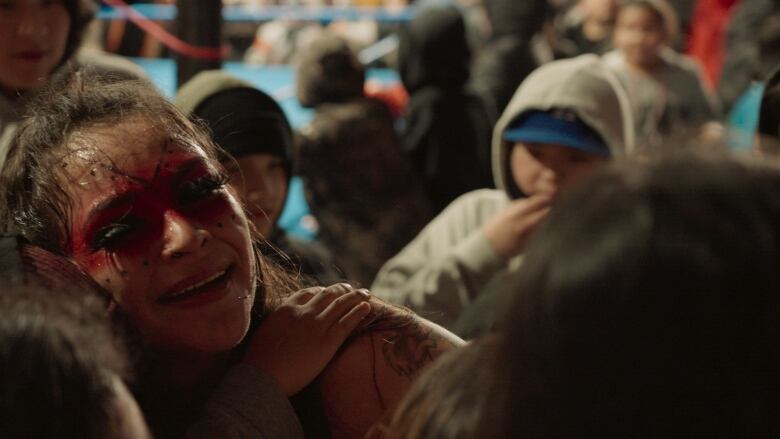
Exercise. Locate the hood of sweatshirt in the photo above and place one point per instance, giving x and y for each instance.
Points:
(581, 85)
(433, 50)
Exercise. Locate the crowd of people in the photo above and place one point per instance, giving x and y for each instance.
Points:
(551, 236)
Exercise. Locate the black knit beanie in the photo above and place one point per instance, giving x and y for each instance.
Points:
(246, 121)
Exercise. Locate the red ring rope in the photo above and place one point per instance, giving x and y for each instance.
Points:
(166, 38)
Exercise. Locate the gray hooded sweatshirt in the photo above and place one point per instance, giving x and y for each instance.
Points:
(451, 261)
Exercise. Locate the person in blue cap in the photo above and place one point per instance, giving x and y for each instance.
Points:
(565, 120)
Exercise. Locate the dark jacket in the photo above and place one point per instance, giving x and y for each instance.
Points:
(507, 57)
(360, 185)
(448, 127)
(742, 58)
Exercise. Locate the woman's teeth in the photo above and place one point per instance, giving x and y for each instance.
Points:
(198, 285)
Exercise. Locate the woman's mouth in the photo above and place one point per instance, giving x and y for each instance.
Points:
(200, 292)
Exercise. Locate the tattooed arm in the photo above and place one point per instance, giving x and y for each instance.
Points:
(373, 372)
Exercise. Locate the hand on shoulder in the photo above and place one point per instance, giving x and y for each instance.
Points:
(375, 368)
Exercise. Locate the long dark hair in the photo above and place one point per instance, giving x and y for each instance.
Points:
(647, 306)
(58, 362)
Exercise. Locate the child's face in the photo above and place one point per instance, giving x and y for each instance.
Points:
(33, 34)
(639, 35)
(547, 168)
(153, 222)
(263, 188)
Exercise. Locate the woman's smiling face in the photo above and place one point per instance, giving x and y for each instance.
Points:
(153, 222)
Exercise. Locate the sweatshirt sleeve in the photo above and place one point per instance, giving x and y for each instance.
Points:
(448, 263)
(247, 404)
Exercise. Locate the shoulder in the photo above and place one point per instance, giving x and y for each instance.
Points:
(463, 216)
(680, 64)
(375, 369)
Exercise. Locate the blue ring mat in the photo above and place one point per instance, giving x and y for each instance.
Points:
(274, 80)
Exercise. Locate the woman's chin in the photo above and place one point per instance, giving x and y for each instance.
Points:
(219, 341)
(205, 333)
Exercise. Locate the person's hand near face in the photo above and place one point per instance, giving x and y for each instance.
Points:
(539, 171)
(33, 35)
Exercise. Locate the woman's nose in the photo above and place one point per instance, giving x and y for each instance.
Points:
(181, 236)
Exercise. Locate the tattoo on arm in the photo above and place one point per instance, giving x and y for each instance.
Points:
(411, 347)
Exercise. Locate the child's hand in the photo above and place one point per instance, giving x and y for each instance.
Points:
(509, 230)
(296, 341)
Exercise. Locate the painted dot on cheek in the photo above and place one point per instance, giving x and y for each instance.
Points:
(146, 263)
(108, 281)
(219, 225)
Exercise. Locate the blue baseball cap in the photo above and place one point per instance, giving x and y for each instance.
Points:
(560, 127)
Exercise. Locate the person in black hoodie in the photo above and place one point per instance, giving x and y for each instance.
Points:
(448, 127)
(252, 128)
(769, 115)
(507, 57)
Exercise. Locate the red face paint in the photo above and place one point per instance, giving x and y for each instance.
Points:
(131, 219)
(146, 226)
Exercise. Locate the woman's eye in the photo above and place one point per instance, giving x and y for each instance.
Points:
(111, 235)
(201, 188)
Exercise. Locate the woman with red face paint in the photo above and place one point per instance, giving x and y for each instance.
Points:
(108, 173)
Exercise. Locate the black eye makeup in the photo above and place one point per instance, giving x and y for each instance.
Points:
(115, 234)
(201, 188)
